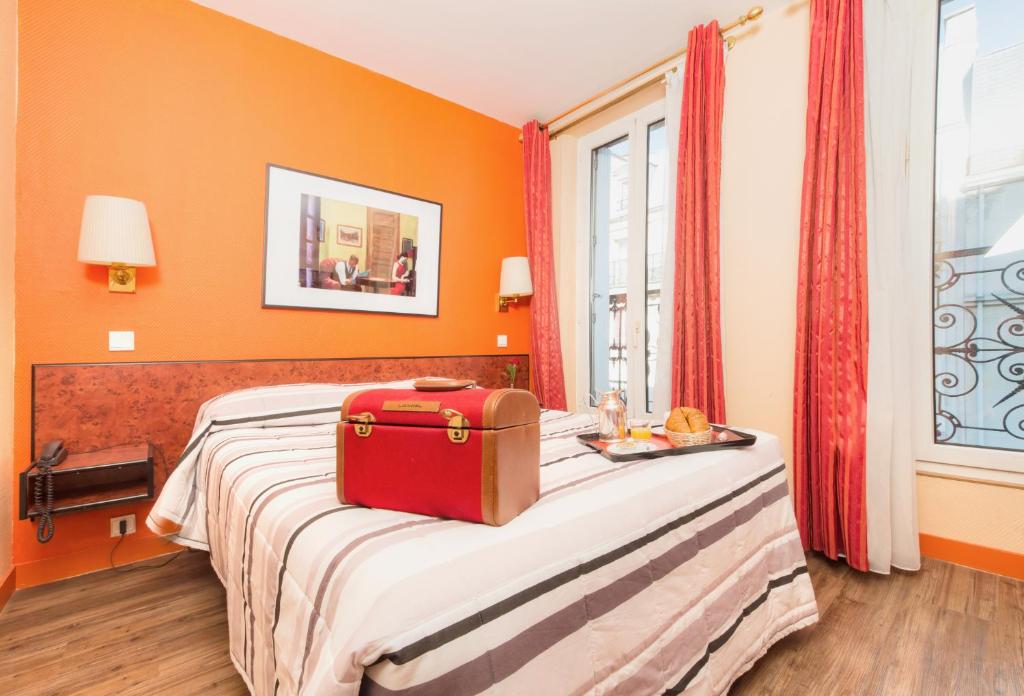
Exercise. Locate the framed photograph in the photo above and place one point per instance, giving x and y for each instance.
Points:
(384, 257)
(350, 235)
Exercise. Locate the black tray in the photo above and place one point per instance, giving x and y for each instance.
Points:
(737, 438)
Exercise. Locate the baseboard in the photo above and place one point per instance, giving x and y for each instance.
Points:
(90, 560)
(7, 587)
(974, 556)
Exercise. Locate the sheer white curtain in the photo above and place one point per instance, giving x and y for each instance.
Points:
(673, 109)
(892, 42)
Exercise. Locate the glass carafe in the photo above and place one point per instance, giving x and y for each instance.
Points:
(611, 418)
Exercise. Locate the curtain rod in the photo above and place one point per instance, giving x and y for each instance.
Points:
(752, 15)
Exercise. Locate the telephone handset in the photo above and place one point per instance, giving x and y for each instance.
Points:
(53, 454)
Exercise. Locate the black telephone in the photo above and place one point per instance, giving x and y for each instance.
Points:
(53, 454)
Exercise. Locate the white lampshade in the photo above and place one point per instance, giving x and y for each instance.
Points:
(115, 230)
(515, 277)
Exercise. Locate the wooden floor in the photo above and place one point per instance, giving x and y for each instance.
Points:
(944, 630)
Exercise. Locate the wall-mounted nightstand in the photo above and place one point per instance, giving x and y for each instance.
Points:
(92, 480)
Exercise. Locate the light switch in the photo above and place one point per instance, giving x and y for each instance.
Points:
(121, 340)
(502, 341)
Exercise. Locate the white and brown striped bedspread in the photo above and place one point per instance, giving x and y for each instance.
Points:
(668, 575)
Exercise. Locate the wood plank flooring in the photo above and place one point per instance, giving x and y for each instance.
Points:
(146, 631)
(944, 630)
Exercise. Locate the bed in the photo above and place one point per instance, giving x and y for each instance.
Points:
(655, 576)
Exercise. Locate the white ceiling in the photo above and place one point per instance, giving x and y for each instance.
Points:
(510, 59)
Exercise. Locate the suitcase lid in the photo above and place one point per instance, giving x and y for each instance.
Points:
(485, 409)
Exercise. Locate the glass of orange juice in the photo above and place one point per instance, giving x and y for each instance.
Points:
(640, 429)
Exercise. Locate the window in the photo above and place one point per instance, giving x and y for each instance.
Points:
(656, 222)
(622, 223)
(608, 258)
(978, 238)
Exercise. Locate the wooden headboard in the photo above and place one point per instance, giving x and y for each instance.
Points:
(96, 405)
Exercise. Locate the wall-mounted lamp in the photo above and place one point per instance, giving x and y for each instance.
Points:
(515, 281)
(115, 233)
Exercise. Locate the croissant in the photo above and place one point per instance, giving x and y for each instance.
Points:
(698, 421)
(677, 422)
(686, 419)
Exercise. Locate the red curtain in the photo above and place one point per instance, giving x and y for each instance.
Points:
(546, 363)
(830, 390)
(697, 333)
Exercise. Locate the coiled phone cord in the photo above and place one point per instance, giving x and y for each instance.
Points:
(45, 530)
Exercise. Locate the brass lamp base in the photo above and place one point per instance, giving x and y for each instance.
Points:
(121, 278)
(505, 300)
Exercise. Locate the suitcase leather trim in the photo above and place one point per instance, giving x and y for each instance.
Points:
(340, 476)
(521, 410)
(526, 410)
(508, 452)
(348, 402)
(488, 477)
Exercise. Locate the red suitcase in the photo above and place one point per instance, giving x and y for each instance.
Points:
(470, 454)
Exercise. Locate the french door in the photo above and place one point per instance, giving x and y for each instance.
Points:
(622, 218)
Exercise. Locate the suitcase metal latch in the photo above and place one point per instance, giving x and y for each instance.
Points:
(363, 423)
(458, 426)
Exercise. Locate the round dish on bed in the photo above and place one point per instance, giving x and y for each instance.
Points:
(631, 447)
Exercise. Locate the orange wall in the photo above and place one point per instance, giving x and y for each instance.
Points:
(181, 107)
(8, 102)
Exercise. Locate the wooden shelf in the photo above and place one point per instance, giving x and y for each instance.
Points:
(89, 498)
(92, 480)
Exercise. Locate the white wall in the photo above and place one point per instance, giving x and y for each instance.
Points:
(762, 175)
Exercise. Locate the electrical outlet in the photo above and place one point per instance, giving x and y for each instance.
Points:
(115, 525)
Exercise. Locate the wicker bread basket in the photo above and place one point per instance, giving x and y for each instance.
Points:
(688, 439)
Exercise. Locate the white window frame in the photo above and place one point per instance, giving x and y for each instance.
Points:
(956, 461)
(634, 126)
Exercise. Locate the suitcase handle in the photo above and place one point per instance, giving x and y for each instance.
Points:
(432, 385)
